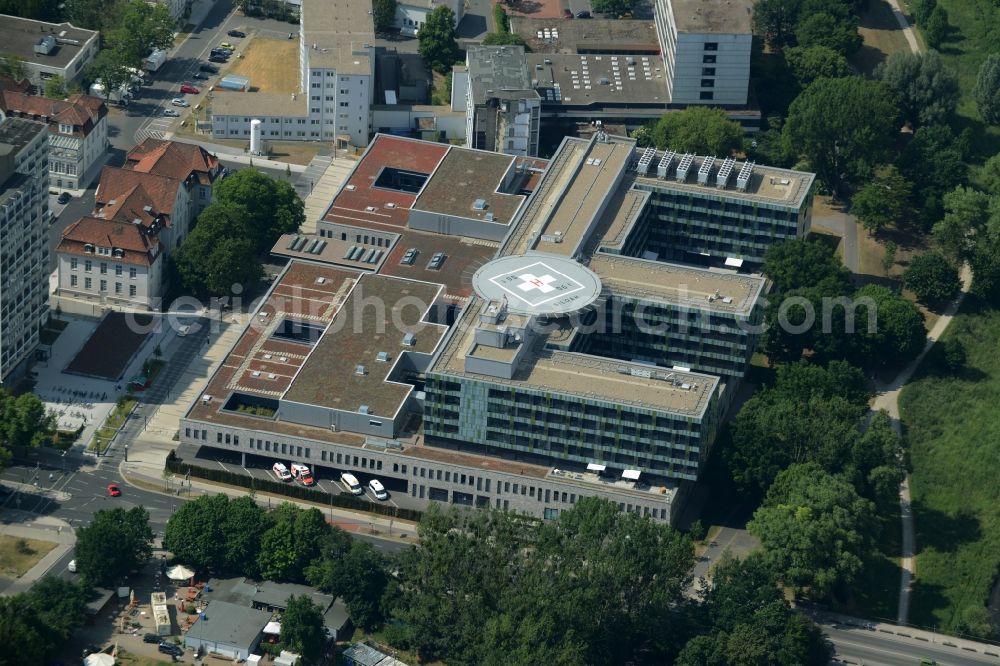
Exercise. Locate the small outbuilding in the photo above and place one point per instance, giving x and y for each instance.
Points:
(227, 629)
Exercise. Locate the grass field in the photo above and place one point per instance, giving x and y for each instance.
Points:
(882, 37)
(974, 33)
(17, 556)
(271, 64)
(952, 431)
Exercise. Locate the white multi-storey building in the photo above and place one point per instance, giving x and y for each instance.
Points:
(412, 14)
(336, 81)
(706, 50)
(502, 110)
(48, 49)
(24, 256)
(78, 133)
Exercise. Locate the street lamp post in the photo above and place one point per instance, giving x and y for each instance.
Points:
(126, 453)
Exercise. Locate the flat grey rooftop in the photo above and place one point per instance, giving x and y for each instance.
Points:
(233, 624)
(18, 132)
(336, 32)
(557, 35)
(496, 68)
(259, 104)
(728, 17)
(18, 36)
(582, 80)
(465, 176)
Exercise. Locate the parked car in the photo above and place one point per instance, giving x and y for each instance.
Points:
(200, 76)
(178, 101)
(171, 649)
(218, 59)
(189, 89)
(64, 197)
(72, 566)
(303, 474)
(290, 35)
(583, 14)
(150, 638)
(378, 490)
(225, 53)
(281, 472)
(236, 33)
(351, 483)
(171, 113)
(211, 69)
(567, 14)
(114, 490)
(226, 45)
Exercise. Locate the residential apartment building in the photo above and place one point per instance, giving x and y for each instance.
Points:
(551, 356)
(110, 262)
(706, 50)
(412, 14)
(502, 111)
(24, 257)
(78, 133)
(336, 82)
(192, 165)
(48, 49)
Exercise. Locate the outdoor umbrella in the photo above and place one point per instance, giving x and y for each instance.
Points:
(99, 659)
(179, 572)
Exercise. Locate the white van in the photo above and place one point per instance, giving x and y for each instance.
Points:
(351, 483)
(378, 490)
(281, 472)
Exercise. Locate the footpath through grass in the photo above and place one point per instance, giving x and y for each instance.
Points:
(101, 439)
(953, 434)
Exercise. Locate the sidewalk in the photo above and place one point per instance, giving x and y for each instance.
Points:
(44, 528)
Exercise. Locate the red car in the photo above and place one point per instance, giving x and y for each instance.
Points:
(114, 490)
(567, 14)
(189, 89)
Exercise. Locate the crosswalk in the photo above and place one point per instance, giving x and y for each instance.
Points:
(156, 128)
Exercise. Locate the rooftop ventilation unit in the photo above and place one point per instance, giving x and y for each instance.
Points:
(351, 188)
(363, 409)
(255, 373)
(664, 166)
(390, 205)
(489, 217)
(283, 359)
(321, 280)
(743, 179)
(722, 178)
(409, 339)
(147, 209)
(705, 170)
(360, 370)
(382, 357)
(271, 375)
(267, 357)
(370, 209)
(646, 161)
(684, 166)
(479, 204)
(45, 45)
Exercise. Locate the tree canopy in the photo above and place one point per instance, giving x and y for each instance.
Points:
(383, 14)
(899, 334)
(837, 33)
(987, 89)
(809, 63)
(844, 127)
(115, 543)
(926, 88)
(815, 529)
(503, 39)
(273, 207)
(302, 629)
(613, 7)
(797, 263)
(215, 533)
(220, 252)
(35, 625)
(698, 129)
(294, 538)
(932, 278)
(438, 47)
(934, 163)
(883, 201)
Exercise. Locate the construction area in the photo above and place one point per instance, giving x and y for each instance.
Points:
(272, 65)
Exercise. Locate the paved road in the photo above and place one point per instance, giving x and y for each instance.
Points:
(856, 645)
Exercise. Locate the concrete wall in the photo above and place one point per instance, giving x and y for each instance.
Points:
(732, 69)
(377, 425)
(404, 117)
(458, 226)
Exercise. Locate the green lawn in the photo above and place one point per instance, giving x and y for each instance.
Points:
(953, 431)
(114, 421)
(975, 32)
(17, 556)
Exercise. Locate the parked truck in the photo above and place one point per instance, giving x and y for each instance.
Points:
(155, 60)
(120, 96)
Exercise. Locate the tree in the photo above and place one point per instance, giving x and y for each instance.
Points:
(272, 207)
(825, 29)
(927, 90)
(614, 8)
(922, 10)
(698, 129)
(843, 126)
(774, 21)
(936, 27)
(55, 88)
(438, 47)
(815, 529)
(797, 263)
(884, 201)
(93, 14)
(220, 252)
(140, 28)
(989, 177)
(292, 541)
(899, 334)
(932, 278)
(12, 67)
(22, 638)
(503, 39)
(953, 355)
(966, 218)
(39, 10)
(115, 543)
(986, 92)
(243, 529)
(111, 68)
(302, 628)
(816, 62)
(354, 571)
(383, 14)
(60, 606)
(194, 532)
(935, 164)
(889, 256)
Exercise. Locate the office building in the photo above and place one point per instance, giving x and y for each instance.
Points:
(48, 50)
(502, 111)
(561, 352)
(78, 133)
(24, 207)
(412, 14)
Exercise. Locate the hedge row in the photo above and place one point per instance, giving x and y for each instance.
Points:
(501, 18)
(177, 466)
